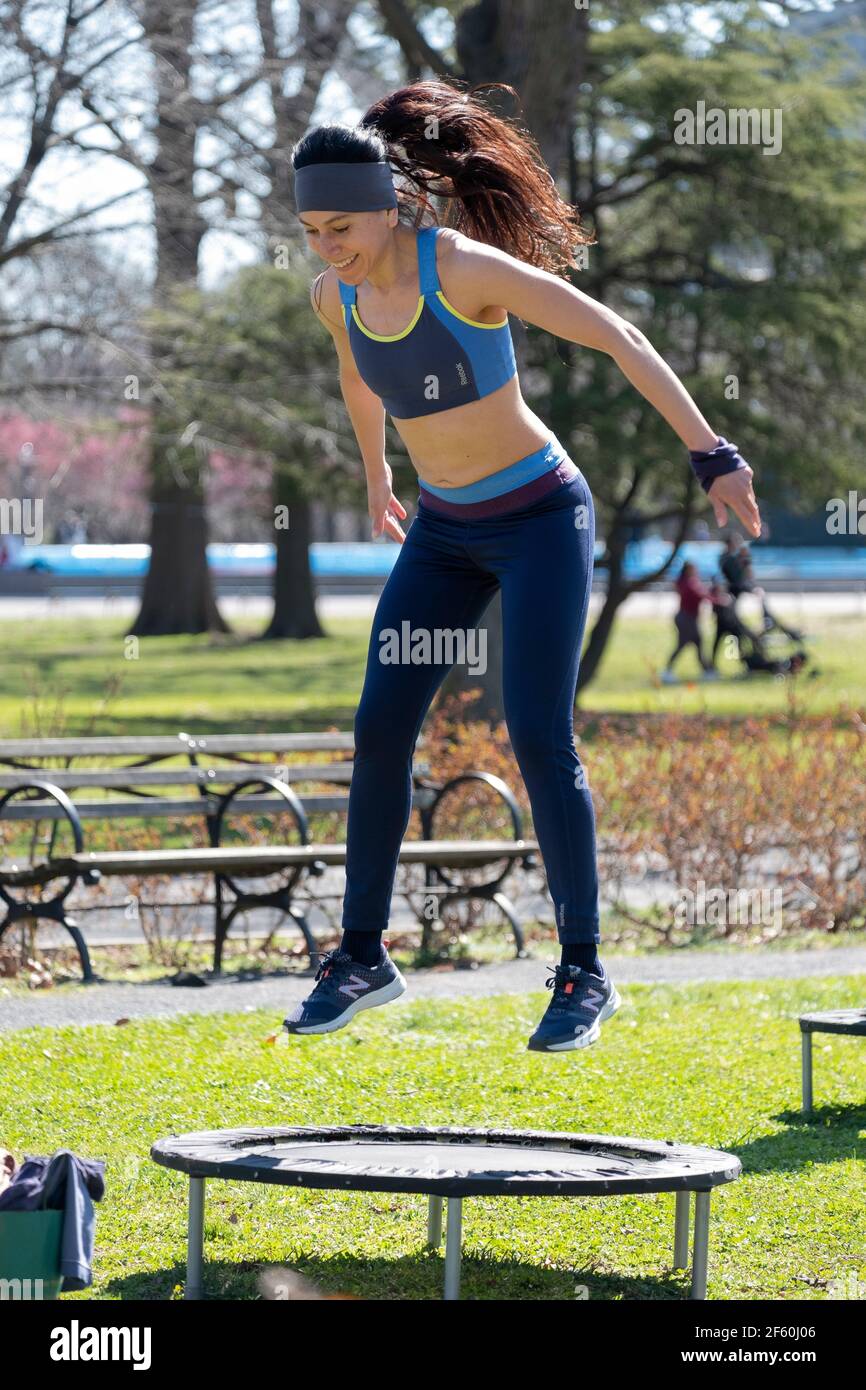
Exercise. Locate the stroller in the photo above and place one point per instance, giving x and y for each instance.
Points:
(770, 650)
(776, 650)
(779, 649)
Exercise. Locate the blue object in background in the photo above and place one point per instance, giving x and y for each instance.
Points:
(376, 558)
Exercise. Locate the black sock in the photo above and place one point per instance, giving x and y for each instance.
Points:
(586, 956)
(363, 946)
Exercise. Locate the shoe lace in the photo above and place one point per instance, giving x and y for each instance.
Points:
(559, 977)
(328, 961)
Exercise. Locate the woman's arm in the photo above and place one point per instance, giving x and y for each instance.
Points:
(367, 415)
(558, 307)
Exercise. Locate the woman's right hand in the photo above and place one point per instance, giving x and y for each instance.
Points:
(384, 508)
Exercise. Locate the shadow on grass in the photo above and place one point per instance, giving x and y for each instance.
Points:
(827, 1133)
(419, 1276)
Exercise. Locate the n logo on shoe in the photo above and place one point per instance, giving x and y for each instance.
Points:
(593, 999)
(353, 986)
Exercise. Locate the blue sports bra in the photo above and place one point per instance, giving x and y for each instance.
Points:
(440, 360)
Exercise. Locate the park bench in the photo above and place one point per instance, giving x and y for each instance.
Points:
(149, 786)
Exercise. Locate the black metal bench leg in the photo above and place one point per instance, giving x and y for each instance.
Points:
(220, 930)
(18, 914)
(195, 1240)
(300, 919)
(87, 975)
(506, 906)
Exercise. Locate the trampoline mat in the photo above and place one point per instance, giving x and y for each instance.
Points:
(449, 1162)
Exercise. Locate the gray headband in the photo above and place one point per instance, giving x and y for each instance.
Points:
(345, 187)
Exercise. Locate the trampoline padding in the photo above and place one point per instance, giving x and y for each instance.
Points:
(447, 1161)
(851, 1021)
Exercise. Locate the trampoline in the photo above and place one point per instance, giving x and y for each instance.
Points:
(450, 1164)
(849, 1021)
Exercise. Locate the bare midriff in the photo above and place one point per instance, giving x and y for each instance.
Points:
(452, 448)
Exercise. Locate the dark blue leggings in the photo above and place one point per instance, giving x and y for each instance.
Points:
(446, 573)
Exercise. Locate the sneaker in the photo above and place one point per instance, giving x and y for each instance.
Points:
(710, 674)
(581, 1002)
(344, 987)
(667, 678)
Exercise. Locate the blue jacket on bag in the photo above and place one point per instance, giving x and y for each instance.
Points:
(67, 1183)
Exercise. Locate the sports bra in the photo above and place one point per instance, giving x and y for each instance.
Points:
(440, 360)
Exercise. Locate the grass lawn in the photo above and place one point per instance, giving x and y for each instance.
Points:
(82, 675)
(716, 1064)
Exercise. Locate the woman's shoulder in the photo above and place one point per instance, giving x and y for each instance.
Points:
(325, 299)
(460, 267)
(455, 249)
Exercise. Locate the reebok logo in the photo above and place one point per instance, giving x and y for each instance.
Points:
(354, 986)
(461, 372)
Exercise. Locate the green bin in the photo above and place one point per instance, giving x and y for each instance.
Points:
(30, 1250)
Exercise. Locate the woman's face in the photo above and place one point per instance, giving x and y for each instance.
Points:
(349, 241)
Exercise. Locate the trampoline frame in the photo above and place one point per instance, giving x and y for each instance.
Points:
(198, 1170)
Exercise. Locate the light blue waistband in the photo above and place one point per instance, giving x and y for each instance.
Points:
(525, 470)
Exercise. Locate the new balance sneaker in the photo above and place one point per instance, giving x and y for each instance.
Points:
(344, 987)
(581, 1002)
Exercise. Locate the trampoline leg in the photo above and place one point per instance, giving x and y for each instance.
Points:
(807, 1072)
(453, 1238)
(195, 1239)
(681, 1229)
(701, 1245)
(434, 1221)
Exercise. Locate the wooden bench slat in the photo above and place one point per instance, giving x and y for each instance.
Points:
(253, 858)
(292, 773)
(164, 808)
(148, 745)
(69, 778)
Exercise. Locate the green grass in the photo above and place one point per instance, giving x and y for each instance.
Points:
(715, 1064)
(87, 668)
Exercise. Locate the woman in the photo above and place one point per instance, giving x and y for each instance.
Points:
(692, 594)
(419, 321)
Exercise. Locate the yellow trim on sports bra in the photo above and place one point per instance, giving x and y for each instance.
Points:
(389, 337)
(474, 322)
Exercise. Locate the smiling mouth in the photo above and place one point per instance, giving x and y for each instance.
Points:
(344, 265)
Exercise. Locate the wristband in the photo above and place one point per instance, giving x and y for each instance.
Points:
(710, 464)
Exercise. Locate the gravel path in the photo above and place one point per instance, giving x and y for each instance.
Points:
(105, 1003)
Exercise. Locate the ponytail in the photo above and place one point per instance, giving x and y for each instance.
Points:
(489, 168)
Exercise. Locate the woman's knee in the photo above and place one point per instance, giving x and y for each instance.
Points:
(382, 726)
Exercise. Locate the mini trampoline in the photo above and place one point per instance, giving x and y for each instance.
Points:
(446, 1163)
(850, 1021)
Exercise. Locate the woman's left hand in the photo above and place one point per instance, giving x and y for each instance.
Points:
(734, 490)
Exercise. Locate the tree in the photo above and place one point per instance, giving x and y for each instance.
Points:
(251, 373)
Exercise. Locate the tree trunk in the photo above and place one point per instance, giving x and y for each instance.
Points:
(294, 612)
(540, 50)
(178, 593)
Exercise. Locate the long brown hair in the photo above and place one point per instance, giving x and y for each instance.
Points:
(444, 142)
